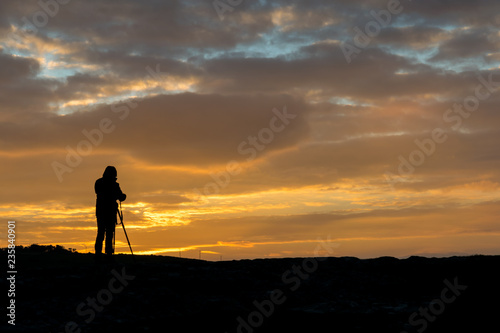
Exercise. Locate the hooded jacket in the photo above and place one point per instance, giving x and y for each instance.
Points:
(108, 191)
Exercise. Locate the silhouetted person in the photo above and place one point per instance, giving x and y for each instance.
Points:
(107, 191)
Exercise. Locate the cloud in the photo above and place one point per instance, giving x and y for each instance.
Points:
(416, 37)
(189, 128)
(466, 44)
(168, 93)
(17, 68)
(17, 81)
(190, 131)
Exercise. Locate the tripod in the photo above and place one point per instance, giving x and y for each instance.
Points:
(120, 214)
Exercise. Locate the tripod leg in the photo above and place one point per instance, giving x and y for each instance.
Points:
(120, 213)
(126, 236)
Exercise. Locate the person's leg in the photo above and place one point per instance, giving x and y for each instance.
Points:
(110, 230)
(100, 237)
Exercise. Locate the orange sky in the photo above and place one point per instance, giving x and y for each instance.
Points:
(254, 132)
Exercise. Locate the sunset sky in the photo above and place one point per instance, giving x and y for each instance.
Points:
(256, 129)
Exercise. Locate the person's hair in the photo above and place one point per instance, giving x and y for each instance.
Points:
(110, 172)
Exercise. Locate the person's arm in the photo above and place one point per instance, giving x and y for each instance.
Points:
(97, 187)
(119, 194)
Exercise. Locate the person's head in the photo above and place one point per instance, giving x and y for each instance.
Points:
(110, 172)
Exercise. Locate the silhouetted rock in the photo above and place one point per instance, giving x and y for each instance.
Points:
(170, 294)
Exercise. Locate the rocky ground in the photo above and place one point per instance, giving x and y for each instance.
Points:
(60, 291)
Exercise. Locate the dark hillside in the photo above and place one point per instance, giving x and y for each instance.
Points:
(55, 287)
